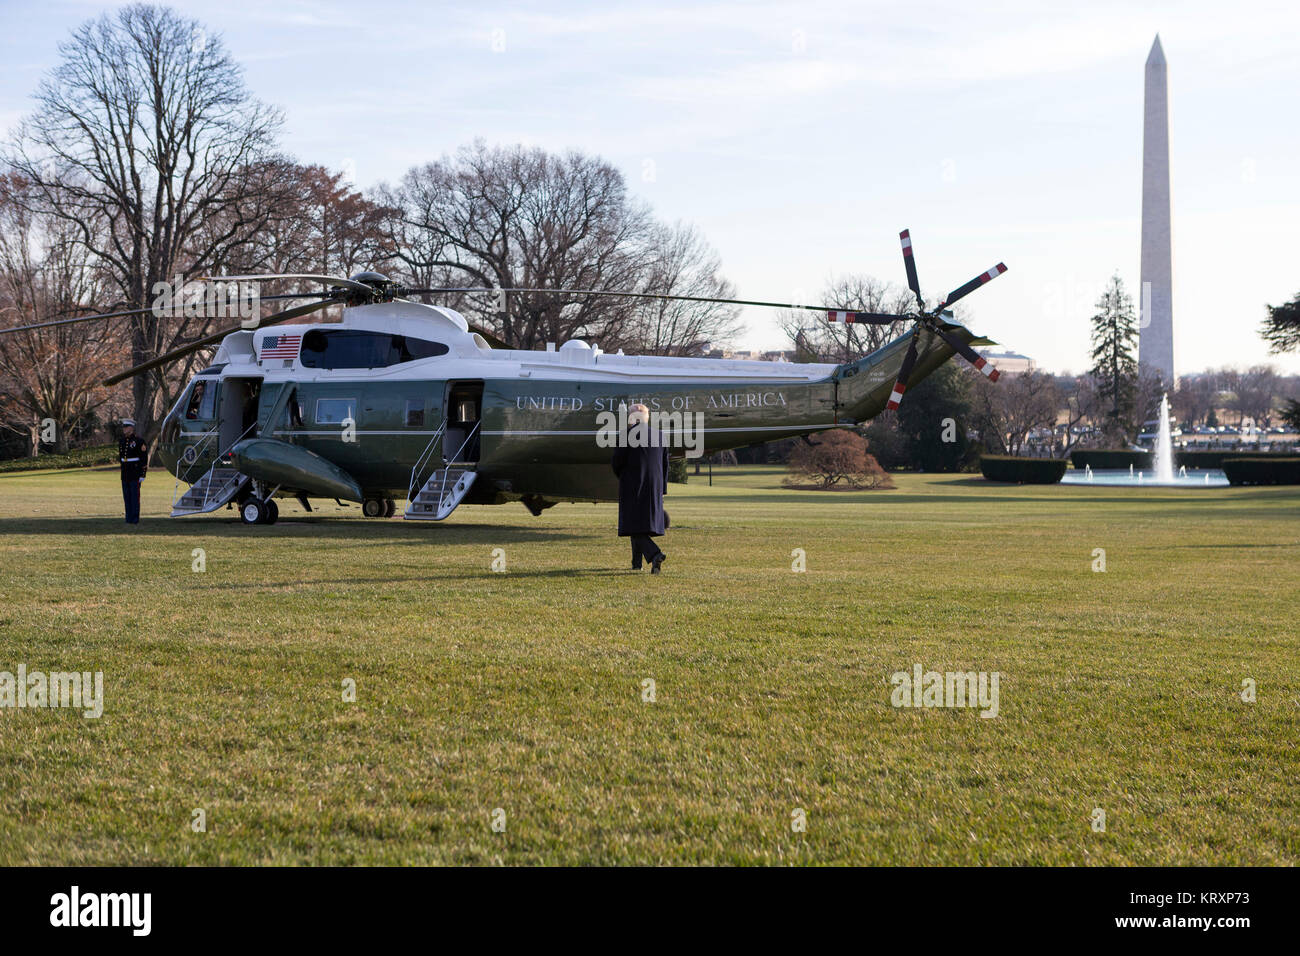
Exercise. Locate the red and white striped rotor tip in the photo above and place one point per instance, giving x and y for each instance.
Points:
(983, 365)
(896, 396)
(845, 317)
(905, 237)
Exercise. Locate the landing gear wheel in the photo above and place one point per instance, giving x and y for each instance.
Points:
(390, 507)
(253, 511)
(272, 512)
(373, 507)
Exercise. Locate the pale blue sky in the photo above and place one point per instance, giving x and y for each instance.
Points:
(801, 137)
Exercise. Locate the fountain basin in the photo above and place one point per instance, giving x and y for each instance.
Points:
(1121, 478)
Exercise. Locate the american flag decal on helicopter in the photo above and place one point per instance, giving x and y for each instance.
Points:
(280, 346)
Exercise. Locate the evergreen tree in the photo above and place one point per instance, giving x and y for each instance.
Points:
(1282, 327)
(1114, 341)
(933, 420)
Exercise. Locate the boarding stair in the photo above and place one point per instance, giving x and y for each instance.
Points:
(445, 486)
(215, 487)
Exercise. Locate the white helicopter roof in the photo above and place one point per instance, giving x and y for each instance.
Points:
(273, 351)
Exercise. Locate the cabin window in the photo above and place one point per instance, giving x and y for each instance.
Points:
(355, 348)
(415, 413)
(202, 405)
(335, 411)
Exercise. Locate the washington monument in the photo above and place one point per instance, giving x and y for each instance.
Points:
(1156, 331)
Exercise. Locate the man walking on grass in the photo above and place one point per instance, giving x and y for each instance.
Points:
(642, 470)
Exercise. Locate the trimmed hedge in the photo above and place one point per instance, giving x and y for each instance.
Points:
(1112, 459)
(1024, 471)
(1262, 471)
(79, 458)
(1120, 458)
(1215, 459)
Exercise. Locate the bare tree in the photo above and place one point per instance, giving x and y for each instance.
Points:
(143, 137)
(1007, 412)
(817, 340)
(1257, 390)
(1080, 404)
(679, 262)
(1148, 388)
(48, 374)
(513, 217)
(318, 225)
(1194, 398)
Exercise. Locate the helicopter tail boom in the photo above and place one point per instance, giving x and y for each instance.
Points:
(868, 386)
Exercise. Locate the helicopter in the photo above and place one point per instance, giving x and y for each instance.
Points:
(403, 399)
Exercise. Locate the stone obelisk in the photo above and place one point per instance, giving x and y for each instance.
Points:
(1156, 315)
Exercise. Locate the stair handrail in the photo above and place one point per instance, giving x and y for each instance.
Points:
(207, 488)
(418, 468)
(449, 462)
(183, 474)
(226, 451)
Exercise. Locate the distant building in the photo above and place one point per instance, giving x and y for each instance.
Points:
(1008, 362)
(752, 355)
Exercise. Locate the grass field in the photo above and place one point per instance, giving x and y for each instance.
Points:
(523, 690)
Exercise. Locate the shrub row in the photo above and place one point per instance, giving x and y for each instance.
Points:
(1121, 458)
(1262, 471)
(1025, 471)
(1215, 459)
(79, 458)
(1110, 459)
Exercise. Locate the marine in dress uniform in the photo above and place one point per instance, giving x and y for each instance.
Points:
(133, 455)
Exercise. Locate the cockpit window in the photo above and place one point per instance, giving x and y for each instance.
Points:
(202, 404)
(353, 348)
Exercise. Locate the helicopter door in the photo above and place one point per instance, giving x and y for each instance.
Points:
(238, 409)
(460, 441)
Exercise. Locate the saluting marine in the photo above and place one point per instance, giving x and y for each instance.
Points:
(133, 455)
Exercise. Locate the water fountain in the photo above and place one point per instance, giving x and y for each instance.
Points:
(1163, 460)
(1164, 446)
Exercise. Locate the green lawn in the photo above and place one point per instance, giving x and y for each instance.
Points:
(523, 690)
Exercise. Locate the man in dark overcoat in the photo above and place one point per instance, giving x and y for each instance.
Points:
(642, 471)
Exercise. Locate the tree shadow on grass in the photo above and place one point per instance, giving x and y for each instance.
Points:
(433, 576)
(306, 528)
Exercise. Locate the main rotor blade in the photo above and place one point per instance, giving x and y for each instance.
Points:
(647, 295)
(310, 277)
(909, 263)
(164, 314)
(80, 318)
(213, 339)
(866, 318)
(963, 291)
(969, 354)
(904, 373)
